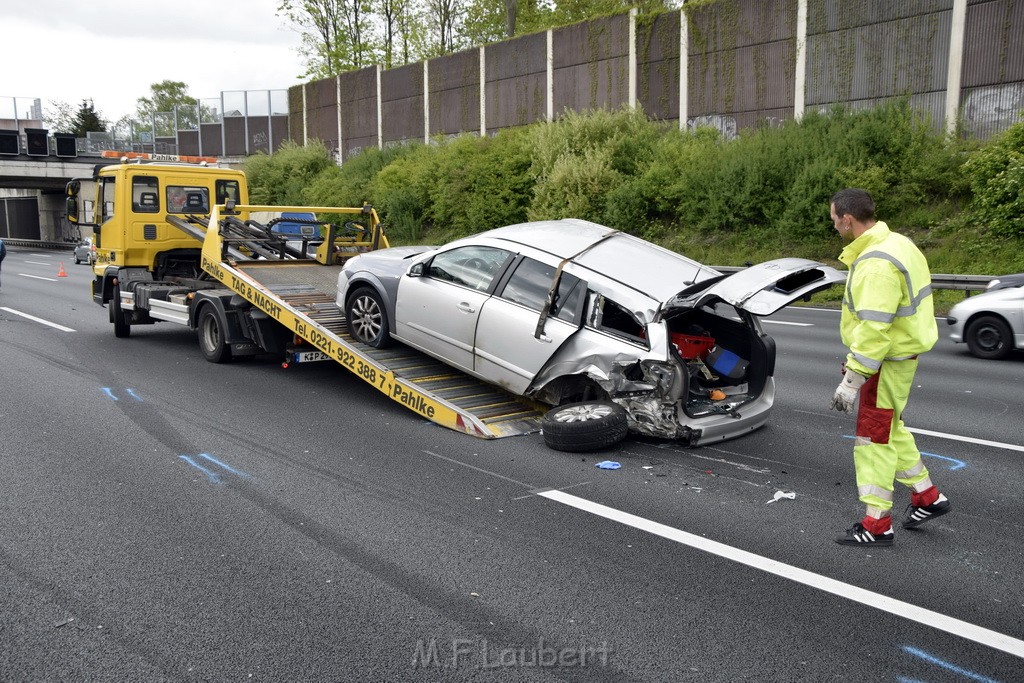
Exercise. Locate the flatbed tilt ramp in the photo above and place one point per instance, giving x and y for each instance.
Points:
(300, 294)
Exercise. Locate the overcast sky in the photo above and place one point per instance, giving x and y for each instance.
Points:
(111, 51)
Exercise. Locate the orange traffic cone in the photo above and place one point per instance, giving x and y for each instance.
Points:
(61, 273)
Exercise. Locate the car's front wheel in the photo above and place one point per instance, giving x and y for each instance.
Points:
(989, 337)
(367, 318)
(584, 426)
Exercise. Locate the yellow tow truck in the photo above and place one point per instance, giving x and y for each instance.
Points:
(181, 244)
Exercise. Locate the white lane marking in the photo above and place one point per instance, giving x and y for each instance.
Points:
(780, 322)
(38, 320)
(37, 277)
(942, 622)
(783, 322)
(39, 263)
(967, 439)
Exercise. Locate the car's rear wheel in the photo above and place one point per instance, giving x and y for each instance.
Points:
(77, 260)
(989, 337)
(367, 318)
(584, 426)
(211, 337)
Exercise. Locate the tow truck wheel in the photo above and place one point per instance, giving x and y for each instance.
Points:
(121, 327)
(367, 319)
(211, 337)
(586, 426)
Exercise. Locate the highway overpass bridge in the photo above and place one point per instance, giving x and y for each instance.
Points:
(32, 206)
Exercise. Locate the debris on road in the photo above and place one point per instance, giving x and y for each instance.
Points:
(779, 495)
(609, 465)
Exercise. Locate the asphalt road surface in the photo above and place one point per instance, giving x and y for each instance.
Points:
(164, 518)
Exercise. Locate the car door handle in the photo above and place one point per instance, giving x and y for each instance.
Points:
(466, 308)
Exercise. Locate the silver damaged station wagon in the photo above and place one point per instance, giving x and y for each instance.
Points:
(590, 320)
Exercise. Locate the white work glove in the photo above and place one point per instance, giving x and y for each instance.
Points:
(845, 398)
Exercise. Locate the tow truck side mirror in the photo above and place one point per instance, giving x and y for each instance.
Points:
(72, 210)
(72, 189)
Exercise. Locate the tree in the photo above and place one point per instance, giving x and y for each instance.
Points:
(335, 34)
(165, 96)
(444, 18)
(59, 116)
(87, 120)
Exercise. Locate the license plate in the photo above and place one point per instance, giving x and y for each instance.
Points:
(310, 356)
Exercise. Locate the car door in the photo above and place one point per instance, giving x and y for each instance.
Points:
(761, 289)
(508, 351)
(437, 310)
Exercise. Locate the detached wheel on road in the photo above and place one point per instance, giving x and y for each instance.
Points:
(211, 337)
(367, 318)
(586, 426)
(989, 337)
(117, 316)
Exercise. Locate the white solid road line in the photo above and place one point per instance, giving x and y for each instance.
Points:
(37, 277)
(967, 439)
(38, 320)
(779, 322)
(963, 629)
(39, 263)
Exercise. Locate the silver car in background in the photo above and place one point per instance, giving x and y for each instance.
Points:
(84, 252)
(576, 314)
(992, 323)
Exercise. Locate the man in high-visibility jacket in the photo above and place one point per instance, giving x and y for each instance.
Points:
(887, 321)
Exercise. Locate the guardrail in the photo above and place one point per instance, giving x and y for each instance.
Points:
(966, 283)
(40, 244)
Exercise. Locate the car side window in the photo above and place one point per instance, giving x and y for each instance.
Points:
(608, 316)
(471, 266)
(531, 282)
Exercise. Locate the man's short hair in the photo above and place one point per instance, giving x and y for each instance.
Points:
(854, 202)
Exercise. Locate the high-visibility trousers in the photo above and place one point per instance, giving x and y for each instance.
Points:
(884, 450)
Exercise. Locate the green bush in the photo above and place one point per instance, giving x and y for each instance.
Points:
(996, 175)
(481, 183)
(281, 179)
(401, 191)
(759, 196)
(575, 187)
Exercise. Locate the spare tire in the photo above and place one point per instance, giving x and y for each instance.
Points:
(584, 426)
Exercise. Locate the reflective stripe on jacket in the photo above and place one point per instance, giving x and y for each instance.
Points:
(887, 308)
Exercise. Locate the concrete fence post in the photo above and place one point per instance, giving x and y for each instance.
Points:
(955, 64)
(684, 66)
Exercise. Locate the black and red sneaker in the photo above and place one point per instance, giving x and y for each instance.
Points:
(918, 515)
(858, 535)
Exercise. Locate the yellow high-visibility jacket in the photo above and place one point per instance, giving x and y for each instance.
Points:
(887, 309)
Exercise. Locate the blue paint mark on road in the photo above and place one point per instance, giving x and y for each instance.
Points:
(931, 659)
(224, 466)
(212, 476)
(133, 395)
(957, 464)
(109, 393)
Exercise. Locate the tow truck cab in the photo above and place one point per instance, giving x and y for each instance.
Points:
(127, 207)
